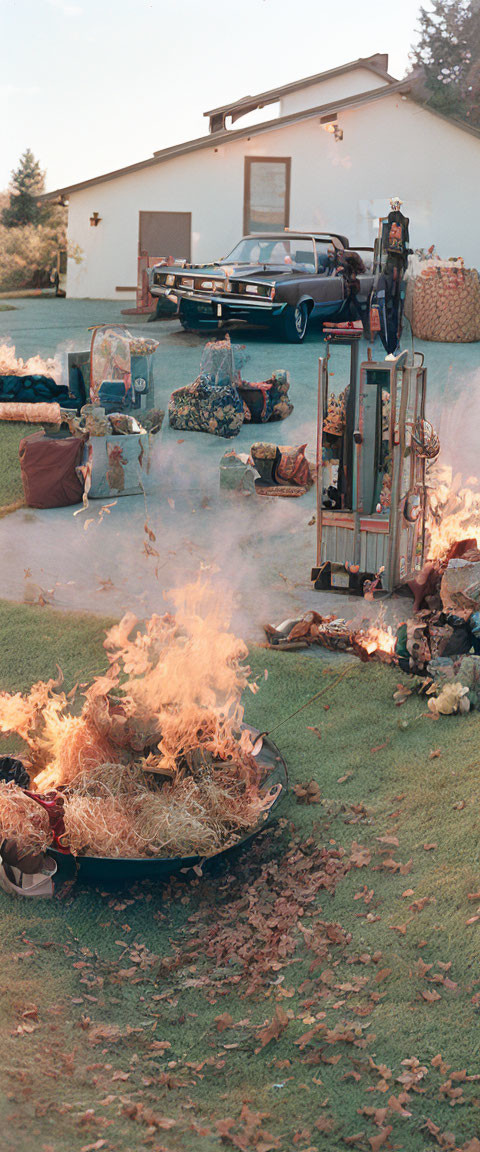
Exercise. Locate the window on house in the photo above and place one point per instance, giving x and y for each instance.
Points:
(267, 194)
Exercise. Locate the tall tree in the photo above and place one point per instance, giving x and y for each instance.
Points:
(471, 85)
(444, 54)
(27, 184)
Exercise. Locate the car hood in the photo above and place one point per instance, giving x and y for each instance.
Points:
(241, 271)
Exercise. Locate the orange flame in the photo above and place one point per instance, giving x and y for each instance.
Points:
(377, 639)
(454, 512)
(13, 365)
(172, 687)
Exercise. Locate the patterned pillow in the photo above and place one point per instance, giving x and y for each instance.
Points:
(293, 467)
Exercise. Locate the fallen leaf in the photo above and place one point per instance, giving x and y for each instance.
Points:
(273, 1029)
(317, 731)
(380, 1139)
(360, 857)
(382, 974)
(223, 1022)
(419, 904)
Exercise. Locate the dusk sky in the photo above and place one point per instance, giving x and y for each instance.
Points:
(92, 85)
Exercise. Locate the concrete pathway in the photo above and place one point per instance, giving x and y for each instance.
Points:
(262, 549)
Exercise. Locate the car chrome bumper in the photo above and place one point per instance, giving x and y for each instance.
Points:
(218, 300)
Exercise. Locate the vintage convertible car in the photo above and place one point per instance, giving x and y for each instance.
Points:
(272, 278)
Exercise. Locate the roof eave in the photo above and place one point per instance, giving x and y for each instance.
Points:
(213, 140)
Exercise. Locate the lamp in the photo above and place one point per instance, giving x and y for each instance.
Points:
(95, 219)
(333, 129)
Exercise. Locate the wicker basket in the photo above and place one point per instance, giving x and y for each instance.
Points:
(444, 304)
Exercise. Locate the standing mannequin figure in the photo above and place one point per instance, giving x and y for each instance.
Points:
(396, 263)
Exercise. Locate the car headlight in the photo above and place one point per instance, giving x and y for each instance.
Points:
(170, 280)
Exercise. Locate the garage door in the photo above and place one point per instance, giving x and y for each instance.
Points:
(165, 234)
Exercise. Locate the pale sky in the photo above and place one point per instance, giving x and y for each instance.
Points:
(93, 85)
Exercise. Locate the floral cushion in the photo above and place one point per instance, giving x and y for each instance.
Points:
(204, 407)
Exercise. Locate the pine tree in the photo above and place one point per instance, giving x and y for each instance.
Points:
(471, 85)
(27, 183)
(444, 53)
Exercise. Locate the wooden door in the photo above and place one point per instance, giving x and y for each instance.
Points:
(165, 234)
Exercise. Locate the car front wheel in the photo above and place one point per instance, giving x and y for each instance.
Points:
(294, 322)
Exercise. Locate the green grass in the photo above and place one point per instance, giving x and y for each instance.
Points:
(11, 434)
(161, 963)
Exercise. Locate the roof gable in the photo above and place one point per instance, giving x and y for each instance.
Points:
(378, 64)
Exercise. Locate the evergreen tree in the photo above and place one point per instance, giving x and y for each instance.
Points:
(28, 182)
(471, 85)
(445, 54)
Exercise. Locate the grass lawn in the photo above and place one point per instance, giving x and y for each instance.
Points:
(320, 993)
(11, 434)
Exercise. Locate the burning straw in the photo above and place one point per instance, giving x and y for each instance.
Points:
(23, 820)
(157, 761)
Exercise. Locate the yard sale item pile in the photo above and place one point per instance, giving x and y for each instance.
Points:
(157, 761)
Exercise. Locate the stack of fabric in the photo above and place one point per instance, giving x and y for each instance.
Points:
(219, 401)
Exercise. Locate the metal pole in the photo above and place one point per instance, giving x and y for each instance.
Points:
(319, 461)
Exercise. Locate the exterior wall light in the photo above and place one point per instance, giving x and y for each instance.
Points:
(95, 219)
(330, 125)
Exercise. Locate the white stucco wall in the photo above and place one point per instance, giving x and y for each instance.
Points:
(337, 88)
(390, 147)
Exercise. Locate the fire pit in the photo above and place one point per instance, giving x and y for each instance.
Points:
(122, 870)
(157, 769)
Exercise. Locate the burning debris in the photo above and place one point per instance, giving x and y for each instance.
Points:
(158, 762)
(453, 510)
(13, 365)
(332, 632)
(441, 641)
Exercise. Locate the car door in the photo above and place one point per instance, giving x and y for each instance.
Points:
(365, 278)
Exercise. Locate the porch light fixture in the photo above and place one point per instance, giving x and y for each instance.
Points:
(333, 129)
(95, 219)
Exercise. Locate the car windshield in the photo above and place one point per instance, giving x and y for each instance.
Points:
(276, 250)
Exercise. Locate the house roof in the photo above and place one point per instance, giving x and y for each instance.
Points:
(378, 64)
(215, 139)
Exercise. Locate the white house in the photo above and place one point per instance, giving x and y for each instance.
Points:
(343, 142)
